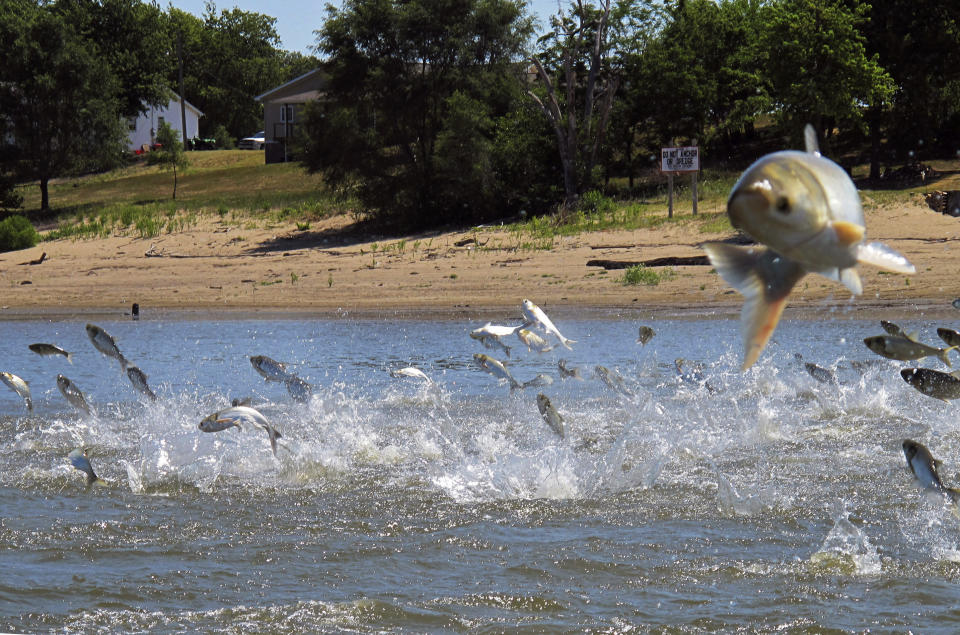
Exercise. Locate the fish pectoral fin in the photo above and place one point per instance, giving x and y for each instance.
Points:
(851, 280)
(879, 255)
(765, 279)
(230, 421)
(848, 233)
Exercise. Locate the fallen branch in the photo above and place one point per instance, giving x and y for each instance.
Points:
(670, 261)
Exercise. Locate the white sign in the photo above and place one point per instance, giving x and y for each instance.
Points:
(685, 159)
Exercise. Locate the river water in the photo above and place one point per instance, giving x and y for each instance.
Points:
(711, 500)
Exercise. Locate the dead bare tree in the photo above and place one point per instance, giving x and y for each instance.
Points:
(580, 135)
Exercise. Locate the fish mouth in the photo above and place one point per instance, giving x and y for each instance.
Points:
(750, 201)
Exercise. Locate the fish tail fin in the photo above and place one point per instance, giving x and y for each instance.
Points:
(880, 255)
(567, 342)
(507, 349)
(765, 279)
(943, 354)
(29, 403)
(70, 358)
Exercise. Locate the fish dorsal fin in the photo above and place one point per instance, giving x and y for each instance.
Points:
(880, 255)
(810, 140)
(955, 374)
(913, 336)
(765, 279)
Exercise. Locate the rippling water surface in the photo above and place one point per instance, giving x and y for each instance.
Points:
(704, 501)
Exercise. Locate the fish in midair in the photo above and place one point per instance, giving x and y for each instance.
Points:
(533, 341)
(821, 374)
(540, 380)
(234, 416)
(50, 349)
(410, 371)
(103, 342)
(613, 380)
(270, 369)
(645, 334)
(80, 460)
(933, 383)
(806, 213)
(72, 394)
(895, 330)
(925, 470)
(491, 336)
(903, 349)
(550, 414)
(568, 373)
(949, 336)
(298, 389)
(497, 369)
(139, 381)
(535, 315)
(18, 386)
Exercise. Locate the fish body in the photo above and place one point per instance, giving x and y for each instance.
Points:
(497, 369)
(213, 423)
(645, 334)
(540, 380)
(298, 389)
(533, 341)
(567, 373)
(234, 416)
(949, 336)
(904, 349)
(410, 371)
(550, 414)
(613, 380)
(821, 374)
(535, 315)
(50, 349)
(72, 394)
(18, 386)
(80, 460)
(896, 331)
(103, 342)
(925, 469)
(806, 213)
(491, 336)
(933, 383)
(270, 369)
(139, 381)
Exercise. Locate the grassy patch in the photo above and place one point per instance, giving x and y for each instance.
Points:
(639, 274)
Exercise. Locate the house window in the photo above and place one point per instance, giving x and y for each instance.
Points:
(286, 113)
(132, 124)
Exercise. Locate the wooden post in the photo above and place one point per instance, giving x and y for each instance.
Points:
(693, 185)
(670, 195)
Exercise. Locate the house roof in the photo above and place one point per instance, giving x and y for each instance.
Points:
(297, 91)
(173, 96)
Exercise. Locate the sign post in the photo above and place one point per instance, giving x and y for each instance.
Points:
(675, 161)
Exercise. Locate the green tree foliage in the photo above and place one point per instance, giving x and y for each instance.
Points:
(60, 98)
(416, 91)
(169, 155)
(818, 67)
(16, 232)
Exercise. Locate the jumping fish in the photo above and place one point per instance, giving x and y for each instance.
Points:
(821, 374)
(613, 380)
(18, 386)
(410, 371)
(903, 349)
(497, 369)
(234, 416)
(535, 315)
(139, 381)
(550, 414)
(894, 329)
(949, 336)
(806, 212)
(103, 342)
(270, 369)
(566, 373)
(540, 380)
(925, 470)
(72, 394)
(933, 383)
(50, 349)
(645, 334)
(298, 389)
(491, 336)
(80, 460)
(533, 341)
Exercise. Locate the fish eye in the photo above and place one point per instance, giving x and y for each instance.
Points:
(782, 204)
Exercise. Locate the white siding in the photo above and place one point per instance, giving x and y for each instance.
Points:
(145, 130)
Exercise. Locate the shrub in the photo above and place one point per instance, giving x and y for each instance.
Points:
(16, 232)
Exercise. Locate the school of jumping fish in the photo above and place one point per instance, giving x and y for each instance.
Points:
(804, 213)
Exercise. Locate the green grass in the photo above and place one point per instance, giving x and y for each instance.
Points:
(639, 274)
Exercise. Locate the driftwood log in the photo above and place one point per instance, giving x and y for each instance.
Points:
(670, 261)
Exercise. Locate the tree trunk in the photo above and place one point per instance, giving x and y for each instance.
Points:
(174, 181)
(44, 194)
(874, 120)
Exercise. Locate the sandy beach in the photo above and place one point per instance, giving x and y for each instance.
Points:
(329, 268)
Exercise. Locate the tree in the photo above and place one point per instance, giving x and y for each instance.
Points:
(169, 155)
(60, 98)
(416, 88)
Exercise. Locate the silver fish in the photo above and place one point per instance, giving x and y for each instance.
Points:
(491, 336)
(72, 394)
(234, 416)
(535, 315)
(139, 381)
(533, 341)
(213, 423)
(241, 401)
(949, 336)
(105, 344)
(821, 374)
(496, 368)
(550, 414)
(298, 389)
(806, 212)
(566, 373)
(540, 380)
(50, 349)
(410, 371)
(80, 460)
(613, 380)
(895, 330)
(933, 383)
(270, 369)
(925, 469)
(18, 386)
(645, 334)
(903, 349)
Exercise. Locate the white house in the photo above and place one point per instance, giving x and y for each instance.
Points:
(143, 129)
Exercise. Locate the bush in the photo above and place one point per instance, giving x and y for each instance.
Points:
(224, 138)
(16, 232)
